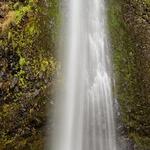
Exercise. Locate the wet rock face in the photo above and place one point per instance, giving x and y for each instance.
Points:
(129, 24)
(27, 71)
(19, 106)
(12, 59)
(8, 68)
(122, 139)
(2, 14)
(137, 17)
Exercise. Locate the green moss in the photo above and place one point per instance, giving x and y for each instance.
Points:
(22, 61)
(143, 142)
(44, 65)
(32, 28)
(21, 12)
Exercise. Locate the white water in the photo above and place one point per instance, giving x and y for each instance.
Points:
(85, 110)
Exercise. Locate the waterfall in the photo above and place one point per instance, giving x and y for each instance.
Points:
(84, 113)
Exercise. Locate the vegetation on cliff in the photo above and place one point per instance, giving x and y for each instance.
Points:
(28, 64)
(27, 68)
(129, 23)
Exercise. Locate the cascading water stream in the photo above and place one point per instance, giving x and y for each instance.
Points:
(85, 112)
